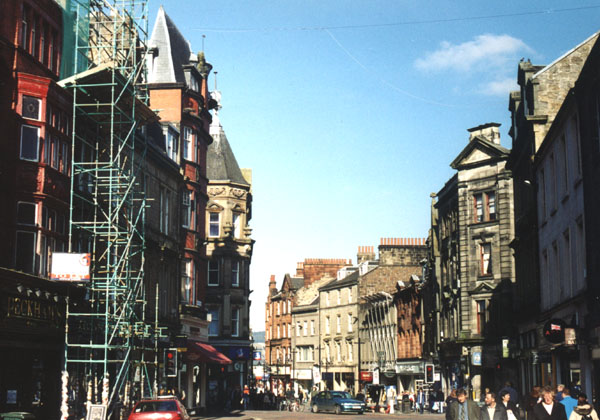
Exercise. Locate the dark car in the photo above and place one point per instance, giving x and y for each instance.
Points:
(159, 409)
(336, 401)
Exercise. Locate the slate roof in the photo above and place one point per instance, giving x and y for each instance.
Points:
(173, 51)
(221, 164)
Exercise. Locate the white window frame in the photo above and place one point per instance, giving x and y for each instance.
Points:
(338, 325)
(350, 329)
(235, 273)
(214, 322)
(305, 328)
(171, 144)
(39, 110)
(350, 351)
(312, 327)
(35, 130)
(235, 322)
(186, 206)
(189, 145)
(327, 325)
(214, 266)
(236, 218)
(212, 223)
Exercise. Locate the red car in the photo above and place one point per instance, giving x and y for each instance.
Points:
(159, 409)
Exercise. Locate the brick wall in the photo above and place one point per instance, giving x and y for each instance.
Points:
(316, 268)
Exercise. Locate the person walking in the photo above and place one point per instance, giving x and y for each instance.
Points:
(548, 409)
(512, 411)
(463, 408)
(491, 410)
(569, 402)
(420, 400)
(514, 395)
(583, 410)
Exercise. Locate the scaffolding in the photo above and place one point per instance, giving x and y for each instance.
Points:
(110, 348)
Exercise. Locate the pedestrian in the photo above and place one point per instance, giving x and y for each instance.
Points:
(569, 402)
(583, 410)
(245, 397)
(420, 400)
(463, 408)
(514, 395)
(491, 410)
(559, 392)
(548, 409)
(391, 399)
(530, 401)
(449, 400)
(512, 411)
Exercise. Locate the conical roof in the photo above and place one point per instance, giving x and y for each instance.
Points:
(221, 164)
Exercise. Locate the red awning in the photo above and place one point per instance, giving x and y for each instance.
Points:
(205, 353)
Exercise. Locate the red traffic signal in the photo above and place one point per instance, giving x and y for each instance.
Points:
(429, 374)
(170, 362)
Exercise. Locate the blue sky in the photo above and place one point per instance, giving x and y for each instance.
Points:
(350, 112)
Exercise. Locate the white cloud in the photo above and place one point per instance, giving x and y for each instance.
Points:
(500, 87)
(484, 51)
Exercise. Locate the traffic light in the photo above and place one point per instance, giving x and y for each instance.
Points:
(170, 362)
(429, 374)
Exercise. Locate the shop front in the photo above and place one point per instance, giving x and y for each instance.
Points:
(32, 320)
(409, 372)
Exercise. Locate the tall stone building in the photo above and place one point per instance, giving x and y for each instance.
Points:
(472, 271)
(229, 249)
(554, 164)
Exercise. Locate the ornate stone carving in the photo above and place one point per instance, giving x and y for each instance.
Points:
(238, 193)
(216, 191)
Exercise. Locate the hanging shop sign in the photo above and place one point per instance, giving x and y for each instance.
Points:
(366, 376)
(70, 267)
(554, 331)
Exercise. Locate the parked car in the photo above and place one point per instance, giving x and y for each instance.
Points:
(338, 402)
(159, 409)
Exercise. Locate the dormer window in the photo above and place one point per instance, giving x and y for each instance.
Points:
(194, 84)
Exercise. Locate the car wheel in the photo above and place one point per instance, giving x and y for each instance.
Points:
(315, 409)
(361, 412)
(338, 409)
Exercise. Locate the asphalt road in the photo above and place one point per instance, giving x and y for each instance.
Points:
(274, 415)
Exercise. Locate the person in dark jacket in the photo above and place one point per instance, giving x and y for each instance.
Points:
(463, 408)
(548, 409)
(491, 410)
(509, 405)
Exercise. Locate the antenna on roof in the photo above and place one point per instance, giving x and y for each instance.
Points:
(215, 74)
(203, 36)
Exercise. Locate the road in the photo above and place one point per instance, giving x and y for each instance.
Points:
(273, 415)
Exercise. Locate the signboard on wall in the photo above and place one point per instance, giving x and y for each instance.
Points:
(70, 267)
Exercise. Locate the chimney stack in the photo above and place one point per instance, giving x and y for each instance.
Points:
(489, 131)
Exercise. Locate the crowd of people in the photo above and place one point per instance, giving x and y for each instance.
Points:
(542, 403)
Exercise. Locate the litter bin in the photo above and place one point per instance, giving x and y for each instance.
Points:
(17, 415)
(405, 406)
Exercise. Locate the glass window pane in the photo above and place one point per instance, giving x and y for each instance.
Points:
(29, 142)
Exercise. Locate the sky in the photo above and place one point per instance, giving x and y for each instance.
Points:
(350, 112)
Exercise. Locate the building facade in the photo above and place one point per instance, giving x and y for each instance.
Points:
(229, 249)
(547, 159)
(473, 270)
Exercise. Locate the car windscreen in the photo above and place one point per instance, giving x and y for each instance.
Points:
(340, 395)
(150, 406)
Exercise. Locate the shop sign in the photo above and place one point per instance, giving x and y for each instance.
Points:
(35, 310)
(70, 267)
(304, 374)
(390, 373)
(554, 331)
(409, 367)
(316, 374)
(376, 377)
(366, 376)
(476, 358)
(570, 337)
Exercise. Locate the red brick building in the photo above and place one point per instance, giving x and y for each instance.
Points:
(35, 167)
